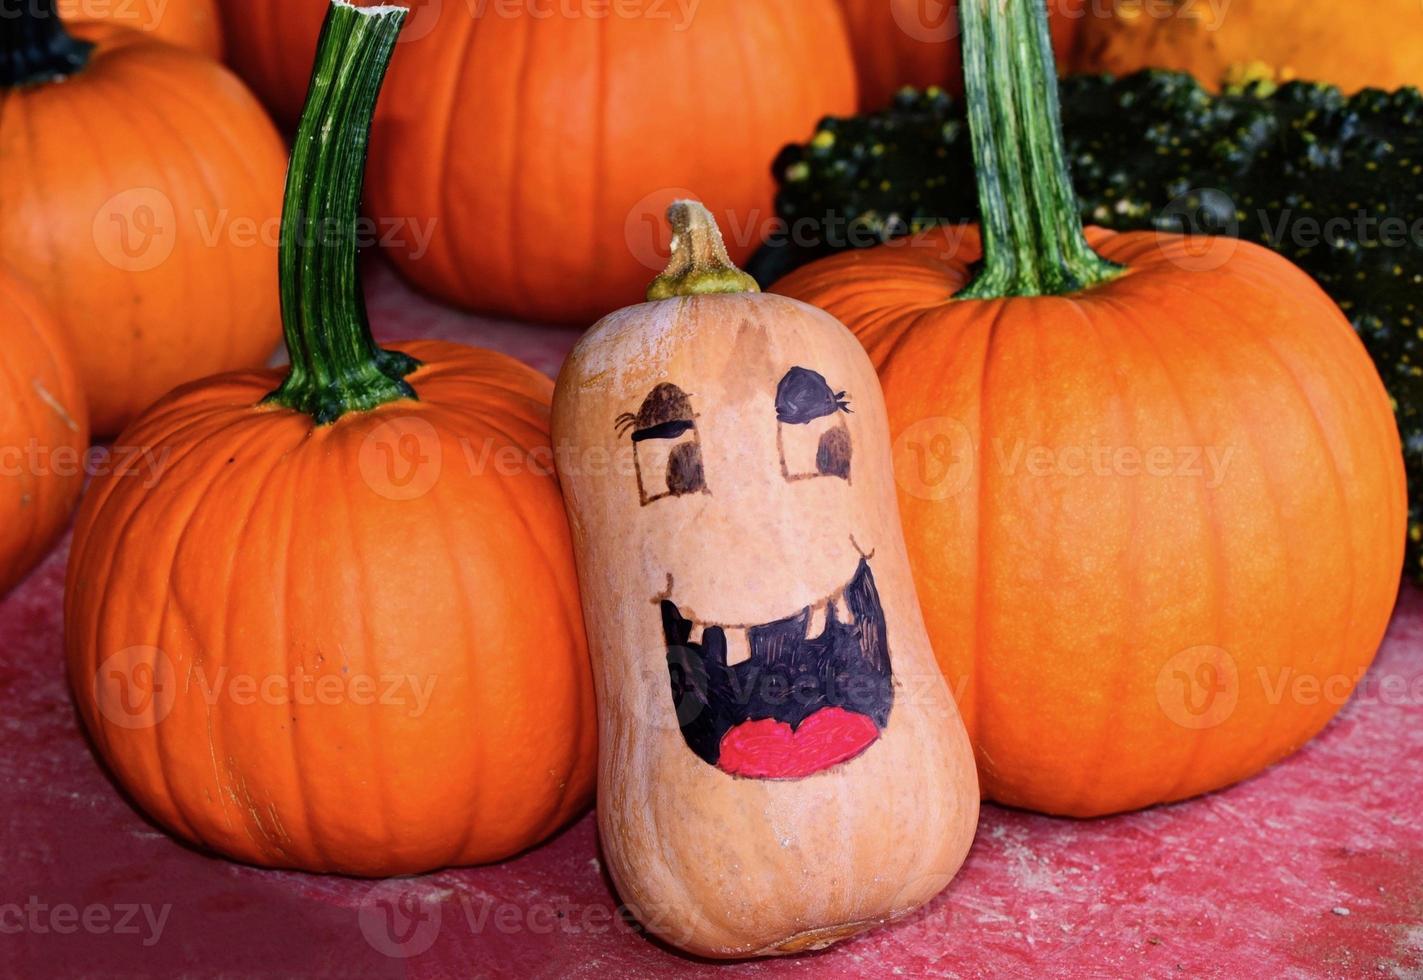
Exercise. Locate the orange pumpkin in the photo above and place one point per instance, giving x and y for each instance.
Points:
(1380, 46)
(187, 23)
(43, 431)
(338, 628)
(145, 213)
(916, 43)
(601, 123)
(1154, 493)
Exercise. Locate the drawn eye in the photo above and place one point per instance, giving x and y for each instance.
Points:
(811, 431)
(667, 448)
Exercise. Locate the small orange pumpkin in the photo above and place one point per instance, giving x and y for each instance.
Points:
(1379, 45)
(187, 23)
(145, 211)
(338, 628)
(1147, 488)
(599, 123)
(43, 431)
(916, 43)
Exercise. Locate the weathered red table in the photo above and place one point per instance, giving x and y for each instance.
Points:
(1313, 868)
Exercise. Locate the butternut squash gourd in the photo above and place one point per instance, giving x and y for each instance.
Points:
(781, 765)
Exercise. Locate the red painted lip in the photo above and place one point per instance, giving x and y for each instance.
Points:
(768, 749)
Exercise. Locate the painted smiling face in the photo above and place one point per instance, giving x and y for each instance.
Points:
(791, 696)
(769, 707)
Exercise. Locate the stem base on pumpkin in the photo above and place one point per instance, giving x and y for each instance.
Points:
(35, 47)
(1033, 241)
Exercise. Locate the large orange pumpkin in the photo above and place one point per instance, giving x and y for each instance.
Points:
(43, 431)
(338, 629)
(497, 124)
(189, 23)
(145, 211)
(1377, 45)
(1155, 504)
(916, 43)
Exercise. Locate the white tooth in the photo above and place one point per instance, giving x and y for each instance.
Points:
(738, 647)
(816, 624)
(842, 609)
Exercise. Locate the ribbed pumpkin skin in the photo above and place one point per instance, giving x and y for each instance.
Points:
(599, 124)
(1066, 606)
(917, 43)
(270, 546)
(272, 45)
(145, 213)
(43, 431)
(187, 23)
(1380, 46)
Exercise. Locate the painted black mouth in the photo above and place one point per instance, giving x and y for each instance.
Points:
(789, 676)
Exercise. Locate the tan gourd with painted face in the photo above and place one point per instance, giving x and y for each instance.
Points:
(781, 766)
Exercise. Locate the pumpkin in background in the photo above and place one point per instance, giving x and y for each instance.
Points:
(915, 43)
(44, 431)
(1148, 489)
(188, 23)
(145, 213)
(783, 767)
(374, 543)
(495, 128)
(1379, 45)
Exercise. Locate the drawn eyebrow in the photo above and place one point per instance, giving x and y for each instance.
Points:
(804, 395)
(665, 413)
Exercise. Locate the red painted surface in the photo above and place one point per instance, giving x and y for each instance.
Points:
(769, 749)
(1314, 868)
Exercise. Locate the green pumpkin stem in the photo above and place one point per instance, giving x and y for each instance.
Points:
(35, 47)
(336, 366)
(699, 263)
(1033, 242)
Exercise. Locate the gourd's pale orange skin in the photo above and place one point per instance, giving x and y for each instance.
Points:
(1354, 46)
(719, 865)
(143, 204)
(493, 128)
(44, 430)
(353, 648)
(187, 23)
(1157, 526)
